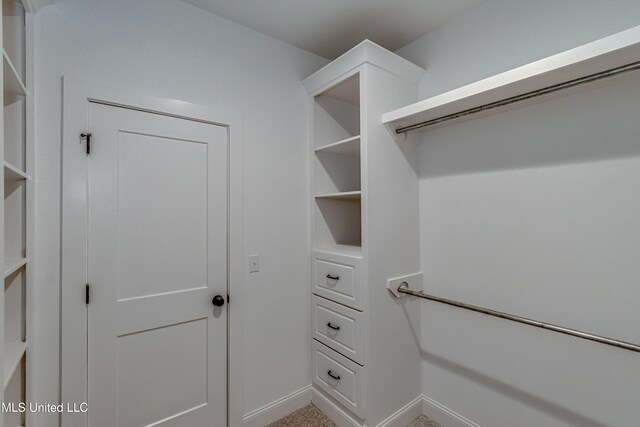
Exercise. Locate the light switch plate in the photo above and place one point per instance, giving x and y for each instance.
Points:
(254, 263)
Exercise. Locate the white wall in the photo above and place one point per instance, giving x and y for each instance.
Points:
(170, 49)
(534, 212)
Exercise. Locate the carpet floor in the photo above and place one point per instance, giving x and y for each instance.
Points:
(310, 416)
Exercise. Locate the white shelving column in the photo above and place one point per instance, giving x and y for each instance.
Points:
(364, 230)
(17, 205)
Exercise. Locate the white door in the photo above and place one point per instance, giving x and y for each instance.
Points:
(157, 246)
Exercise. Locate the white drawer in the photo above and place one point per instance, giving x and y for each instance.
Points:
(340, 377)
(339, 327)
(337, 277)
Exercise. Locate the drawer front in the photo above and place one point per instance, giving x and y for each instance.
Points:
(339, 377)
(339, 327)
(337, 277)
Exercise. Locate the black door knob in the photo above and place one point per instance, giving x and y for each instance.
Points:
(218, 301)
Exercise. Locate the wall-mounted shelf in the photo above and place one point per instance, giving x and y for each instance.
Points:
(346, 147)
(517, 87)
(13, 85)
(13, 353)
(347, 196)
(11, 265)
(12, 173)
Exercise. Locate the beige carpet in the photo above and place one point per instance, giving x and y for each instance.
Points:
(310, 416)
(423, 421)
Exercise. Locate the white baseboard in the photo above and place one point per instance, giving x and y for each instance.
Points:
(275, 410)
(342, 418)
(405, 415)
(333, 410)
(272, 412)
(443, 415)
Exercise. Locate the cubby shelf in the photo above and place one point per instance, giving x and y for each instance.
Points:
(11, 265)
(12, 85)
(346, 147)
(13, 353)
(348, 196)
(12, 173)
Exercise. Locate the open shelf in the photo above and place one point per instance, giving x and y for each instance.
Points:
(13, 33)
(11, 265)
(338, 220)
(347, 196)
(13, 353)
(14, 380)
(347, 90)
(454, 106)
(12, 173)
(14, 224)
(15, 133)
(346, 147)
(336, 173)
(337, 112)
(12, 85)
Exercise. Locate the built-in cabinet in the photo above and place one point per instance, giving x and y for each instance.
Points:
(17, 205)
(364, 217)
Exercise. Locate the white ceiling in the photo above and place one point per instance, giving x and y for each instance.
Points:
(331, 27)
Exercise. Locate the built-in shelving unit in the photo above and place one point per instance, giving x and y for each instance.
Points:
(17, 205)
(567, 72)
(362, 232)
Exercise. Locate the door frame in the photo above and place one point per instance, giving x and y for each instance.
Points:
(77, 96)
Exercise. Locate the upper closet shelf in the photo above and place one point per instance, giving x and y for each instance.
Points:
(13, 85)
(611, 58)
(346, 147)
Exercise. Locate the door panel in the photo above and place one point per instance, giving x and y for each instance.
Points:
(172, 383)
(167, 176)
(157, 249)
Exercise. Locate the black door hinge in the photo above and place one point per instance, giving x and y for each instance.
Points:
(87, 294)
(87, 136)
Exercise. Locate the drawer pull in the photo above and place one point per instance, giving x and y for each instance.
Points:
(335, 377)
(330, 277)
(335, 328)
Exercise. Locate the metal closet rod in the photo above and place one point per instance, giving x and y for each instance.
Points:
(404, 288)
(518, 98)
